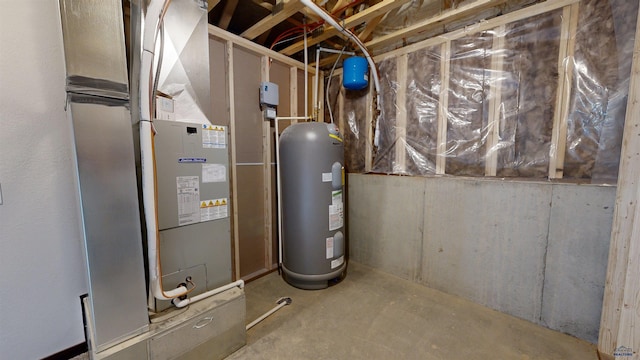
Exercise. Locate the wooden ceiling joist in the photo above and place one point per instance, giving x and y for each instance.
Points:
(430, 23)
(290, 8)
(378, 9)
(368, 29)
(227, 14)
(212, 4)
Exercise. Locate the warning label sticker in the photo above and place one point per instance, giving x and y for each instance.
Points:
(336, 216)
(214, 136)
(214, 209)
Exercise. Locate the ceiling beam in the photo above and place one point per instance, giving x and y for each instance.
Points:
(212, 4)
(378, 9)
(433, 22)
(227, 14)
(290, 7)
(368, 29)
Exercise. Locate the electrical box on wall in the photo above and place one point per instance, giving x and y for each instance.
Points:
(269, 93)
(193, 205)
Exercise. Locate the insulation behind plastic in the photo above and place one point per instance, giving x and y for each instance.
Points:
(526, 70)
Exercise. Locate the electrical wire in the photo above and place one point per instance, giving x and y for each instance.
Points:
(329, 81)
(311, 27)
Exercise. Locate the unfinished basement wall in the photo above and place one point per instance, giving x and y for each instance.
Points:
(535, 250)
(538, 93)
(496, 109)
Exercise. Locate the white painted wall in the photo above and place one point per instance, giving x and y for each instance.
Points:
(42, 271)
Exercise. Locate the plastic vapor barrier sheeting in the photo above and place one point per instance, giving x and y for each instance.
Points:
(499, 100)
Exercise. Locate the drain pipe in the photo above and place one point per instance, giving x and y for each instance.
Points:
(331, 21)
(182, 303)
(152, 20)
(282, 302)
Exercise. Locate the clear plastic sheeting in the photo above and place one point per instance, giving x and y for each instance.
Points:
(604, 50)
(487, 103)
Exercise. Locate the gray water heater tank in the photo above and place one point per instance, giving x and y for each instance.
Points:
(312, 179)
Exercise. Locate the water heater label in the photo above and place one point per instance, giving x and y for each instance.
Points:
(337, 262)
(336, 216)
(329, 247)
(214, 137)
(326, 177)
(188, 199)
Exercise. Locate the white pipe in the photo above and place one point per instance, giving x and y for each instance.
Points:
(316, 103)
(182, 303)
(331, 21)
(334, 51)
(306, 75)
(282, 302)
(278, 180)
(151, 22)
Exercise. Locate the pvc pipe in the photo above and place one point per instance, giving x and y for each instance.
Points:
(316, 106)
(278, 180)
(155, 13)
(316, 102)
(282, 302)
(306, 75)
(182, 303)
(334, 51)
(331, 21)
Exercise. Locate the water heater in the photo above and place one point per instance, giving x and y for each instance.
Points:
(312, 184)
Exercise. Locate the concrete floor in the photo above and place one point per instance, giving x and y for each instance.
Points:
(373, 315)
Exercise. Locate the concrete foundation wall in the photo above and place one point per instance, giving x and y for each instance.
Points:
(535, 250)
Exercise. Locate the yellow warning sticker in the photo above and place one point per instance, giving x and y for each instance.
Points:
(214, 209)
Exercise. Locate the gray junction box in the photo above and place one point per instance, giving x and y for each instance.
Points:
(193, 205)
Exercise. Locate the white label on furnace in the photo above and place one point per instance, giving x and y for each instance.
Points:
(326, 177)
(336, 210)
(214, 173)
(214, 209)
(188, 199)
(337, 262)
(329, 247)
(214, 136)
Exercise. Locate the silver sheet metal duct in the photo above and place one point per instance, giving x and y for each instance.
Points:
(98, 93)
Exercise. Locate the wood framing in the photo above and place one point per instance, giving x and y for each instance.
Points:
(249, 45)
(563, 93)
(290, 7)
(495, 100)
(443, 108)
(378, 9)
(400, 165)
(368, 129)
(233, 164)
(211, 4)
(227, 13)
(234, 43)
(620, 321)
(518, 15)
(569, 7)
(430, 23)
(368, 29)
(266, 171)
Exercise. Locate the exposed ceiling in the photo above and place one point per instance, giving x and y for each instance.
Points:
(382, 24)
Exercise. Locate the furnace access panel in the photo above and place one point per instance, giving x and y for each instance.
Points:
(193, 204)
